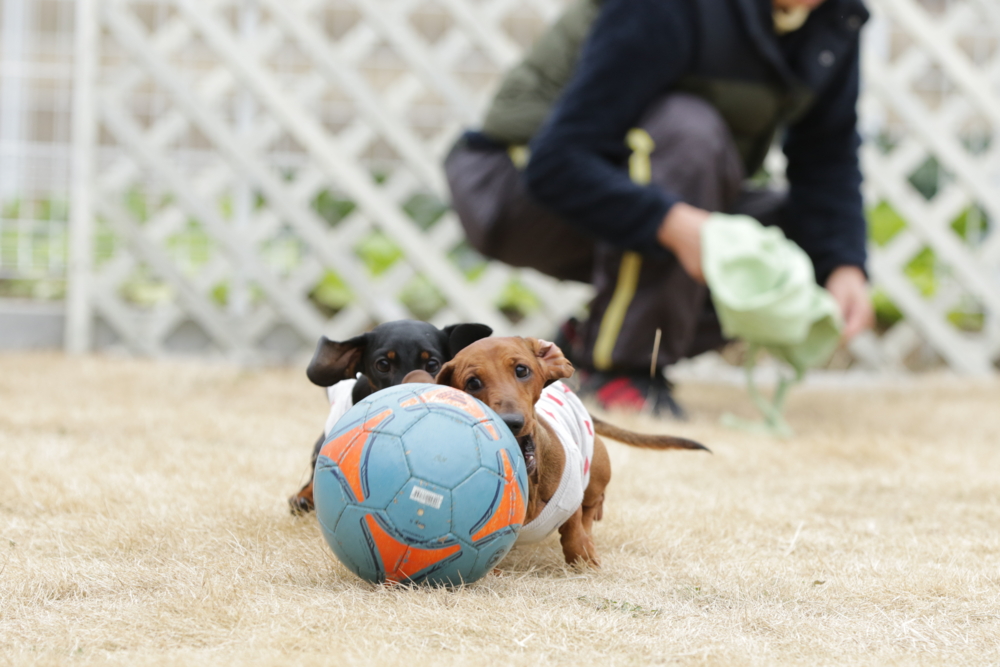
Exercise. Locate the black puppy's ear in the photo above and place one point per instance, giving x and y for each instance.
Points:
(333, 361)
(461, 336)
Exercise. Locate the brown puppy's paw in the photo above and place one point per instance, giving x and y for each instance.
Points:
(581, 553)
(583, 561)
(577, 544)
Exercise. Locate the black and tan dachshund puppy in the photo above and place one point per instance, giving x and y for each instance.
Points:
(383, 357)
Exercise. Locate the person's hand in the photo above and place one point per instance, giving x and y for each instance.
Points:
(849, 289)
(680, 233)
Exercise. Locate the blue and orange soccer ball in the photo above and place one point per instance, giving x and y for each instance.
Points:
(420, 483)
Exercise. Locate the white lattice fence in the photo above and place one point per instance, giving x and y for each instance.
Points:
(932, 112)
(235, 121)
(244, 150)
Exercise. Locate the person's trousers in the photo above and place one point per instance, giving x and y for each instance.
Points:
(695, 158)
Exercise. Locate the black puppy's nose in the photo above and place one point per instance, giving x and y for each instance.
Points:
(514, 421)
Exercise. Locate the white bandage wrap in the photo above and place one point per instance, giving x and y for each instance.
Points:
(561, 409)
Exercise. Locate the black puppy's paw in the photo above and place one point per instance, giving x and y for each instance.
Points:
(300, 506)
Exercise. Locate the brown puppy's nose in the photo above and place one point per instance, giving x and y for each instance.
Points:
(514, 421)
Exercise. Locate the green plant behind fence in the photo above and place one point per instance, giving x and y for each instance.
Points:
(33, 254)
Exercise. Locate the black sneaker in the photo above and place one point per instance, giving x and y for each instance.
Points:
(633, 393)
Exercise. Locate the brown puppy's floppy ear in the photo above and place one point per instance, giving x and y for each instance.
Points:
(333, 361)
(554, 364)
(461, 336)
(446, 374)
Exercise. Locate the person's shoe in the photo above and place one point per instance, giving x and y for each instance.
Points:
(633, 393)
(662, 396)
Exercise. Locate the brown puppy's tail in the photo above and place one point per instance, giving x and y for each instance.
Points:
(644, 440)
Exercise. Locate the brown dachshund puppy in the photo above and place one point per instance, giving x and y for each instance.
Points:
(515, 376)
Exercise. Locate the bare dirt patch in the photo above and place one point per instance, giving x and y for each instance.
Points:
(143, 522)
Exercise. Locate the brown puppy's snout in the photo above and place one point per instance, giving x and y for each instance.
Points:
(514, 421)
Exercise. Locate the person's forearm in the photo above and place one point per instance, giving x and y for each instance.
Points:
(825, 214)
(636, 51)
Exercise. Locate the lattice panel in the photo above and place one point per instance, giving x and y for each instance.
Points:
(255, 157)
(264, 150)
(932, 111)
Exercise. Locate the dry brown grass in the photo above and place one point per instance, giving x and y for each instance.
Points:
(143, 521)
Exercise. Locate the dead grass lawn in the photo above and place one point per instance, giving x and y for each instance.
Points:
(143, 522)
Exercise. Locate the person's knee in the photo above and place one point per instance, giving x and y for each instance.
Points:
(687, 124)
(694, 155)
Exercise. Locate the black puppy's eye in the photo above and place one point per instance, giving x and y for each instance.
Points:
(382, 366)
(522, 371)
(473, 385)
(433, 366)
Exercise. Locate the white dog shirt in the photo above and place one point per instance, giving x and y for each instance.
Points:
(562, 410)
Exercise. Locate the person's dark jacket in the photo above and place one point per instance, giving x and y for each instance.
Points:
(638, 50)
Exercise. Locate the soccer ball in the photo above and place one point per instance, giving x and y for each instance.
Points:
(420, 483)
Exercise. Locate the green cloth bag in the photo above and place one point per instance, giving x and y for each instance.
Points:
(765, 292)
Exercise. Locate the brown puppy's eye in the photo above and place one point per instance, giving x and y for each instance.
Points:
(522, 371)
(382, 366)
(433, 366)
(473, 385)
